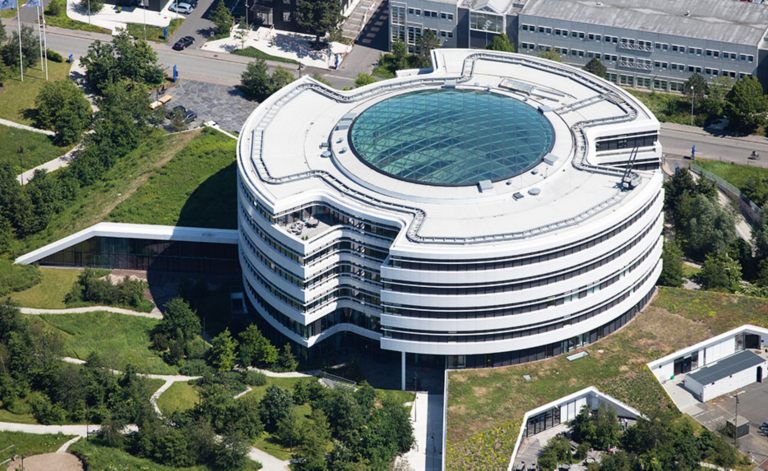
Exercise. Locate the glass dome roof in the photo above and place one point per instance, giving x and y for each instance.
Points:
(451, 137)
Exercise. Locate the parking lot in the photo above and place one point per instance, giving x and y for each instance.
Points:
(753, 405)
(225, 105)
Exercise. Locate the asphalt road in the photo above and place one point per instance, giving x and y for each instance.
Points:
(677, 141)
(192, 64)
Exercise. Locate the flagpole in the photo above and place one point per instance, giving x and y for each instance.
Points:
(39, 37)
(21, 56)
(45, 42)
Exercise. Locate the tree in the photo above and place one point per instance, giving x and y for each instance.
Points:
(552, 55)
(717, 89)
(241, 33)
(318, 17)
(286, 361)
(255, 349)
(230, 452)
(289, 428)
(746, 105)
(721, 273)
(280, 78)
(178, 120)
(709, 229)
(255, 81)
(400, 55)
(672, 271)
(595, 67)
(222, 353)
(607, 430)
(222, 18)
(30, 48)
(364, 78)
(178, 327)
(3, 33)
(91, 6)
(501, 42)
(426, 42)
(62, 107)
(311, 454)
(125, 58)
(274, 406)
(5, 72)
(696, 88)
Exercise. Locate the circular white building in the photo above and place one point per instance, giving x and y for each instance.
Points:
(497, 209)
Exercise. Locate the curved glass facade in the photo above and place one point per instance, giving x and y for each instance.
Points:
(451, 137)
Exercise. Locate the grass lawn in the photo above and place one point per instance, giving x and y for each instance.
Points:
(28, 444)
(63, 21)
(97, 456)
(17, 98)
(690, 271)
(670, 107)
(154, 33)
(251, 51)
(179, 397)
(17, 277)
(25, 149)
(196, 188)
(8, 416)
(736, 175)
(95, 202)
(120, 340)
(400, 396)
(50, 292)
(486, 405)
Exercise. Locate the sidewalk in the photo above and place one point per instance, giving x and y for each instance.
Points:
(109, 17)
(50, 166)
(154, 314)
(24, 127)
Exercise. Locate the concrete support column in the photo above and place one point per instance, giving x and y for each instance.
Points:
(402, 371)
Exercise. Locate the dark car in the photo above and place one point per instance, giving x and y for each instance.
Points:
(184, 43)
(189, 115)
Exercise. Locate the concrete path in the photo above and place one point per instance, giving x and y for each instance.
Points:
(285, 374)
(268, 462)
(63, 448)
(13, 124)
(155, 314)
(50, 166)
(247, 390)
(155, 395)
(37, 429)
(427, 420)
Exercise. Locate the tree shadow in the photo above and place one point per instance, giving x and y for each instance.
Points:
(214, 202)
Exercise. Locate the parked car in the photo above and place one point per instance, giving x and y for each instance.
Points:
(183, 8)
(184, 43)
(189, 115)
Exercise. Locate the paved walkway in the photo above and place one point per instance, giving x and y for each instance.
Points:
(155, 314)
(427, 420)
(37, 429)
(50, 166)
(63, 448)
(268, 462)
(110, 18)
(13, 124)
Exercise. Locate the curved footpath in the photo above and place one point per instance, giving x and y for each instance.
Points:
(33, 311)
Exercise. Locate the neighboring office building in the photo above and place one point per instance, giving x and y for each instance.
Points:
(466, 217)
(727, 375)
(282, 13)
(656, 46)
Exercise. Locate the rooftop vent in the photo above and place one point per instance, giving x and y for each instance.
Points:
(326, 154)
(687, 13)
(484, 186)
(550, 159)
(534, 191)
(599, 4)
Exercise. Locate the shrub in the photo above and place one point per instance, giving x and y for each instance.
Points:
(196, 367)
(254, 378)
(53, 55)
(91, 287)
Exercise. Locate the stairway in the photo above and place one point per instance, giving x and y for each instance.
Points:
(357, 20)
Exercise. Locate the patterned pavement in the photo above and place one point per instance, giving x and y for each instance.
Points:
(220, 103)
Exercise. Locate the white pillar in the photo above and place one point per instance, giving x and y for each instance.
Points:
(402, 371)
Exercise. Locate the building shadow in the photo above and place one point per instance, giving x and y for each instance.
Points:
(213, 203)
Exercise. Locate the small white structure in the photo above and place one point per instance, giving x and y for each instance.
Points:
(709, 351)
(727, 375)
(564, 410)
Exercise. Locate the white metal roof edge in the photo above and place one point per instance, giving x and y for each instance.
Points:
(695, 347)
(133, 231)
(557, 402)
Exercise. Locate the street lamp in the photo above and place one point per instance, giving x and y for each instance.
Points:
(692, 97)
(89, 11)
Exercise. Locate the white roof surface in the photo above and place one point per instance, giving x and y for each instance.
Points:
(292, 125)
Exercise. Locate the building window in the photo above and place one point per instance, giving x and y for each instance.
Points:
(489, 23)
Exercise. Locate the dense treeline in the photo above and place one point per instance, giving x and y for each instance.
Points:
(664, 440)
(120, 73)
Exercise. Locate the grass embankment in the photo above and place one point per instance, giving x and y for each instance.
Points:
(97, 456)
(118, 339)
(50, 292)
(154, 33)
(196, 188)
(28, 444)
(56, 15)
(251, 51)
(736, 175)
(95, 202)
(17, 98)
(25, 149)
(486, 406)
(670, 107)
(179, 397)
(17, 277)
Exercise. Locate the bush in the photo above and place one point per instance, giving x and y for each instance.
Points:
(91, 287)
(54, 56)
(254, 378)
(17, 277)
(55, 8)
(196, 367)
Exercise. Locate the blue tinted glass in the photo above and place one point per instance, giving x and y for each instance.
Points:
(451, 137)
